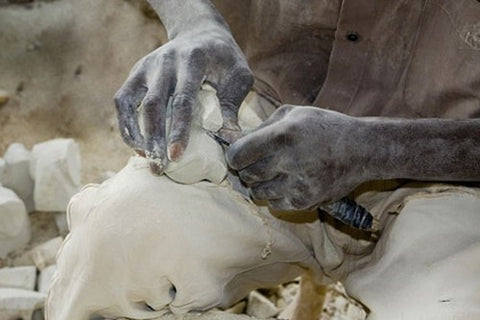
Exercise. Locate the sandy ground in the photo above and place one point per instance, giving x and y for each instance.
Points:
(61, 63)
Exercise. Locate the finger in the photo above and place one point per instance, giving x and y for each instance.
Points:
(269, 190)
(231, 91)
(278, 115)
(127, 99)
(154, 116)
(262, 170)
(261, 143)
(184, 100)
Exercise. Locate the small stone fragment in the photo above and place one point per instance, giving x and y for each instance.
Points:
(45, 278)
(17, 173)
(19, 303)
(208, 109)
(202, 160)
(3, 165)
(19, 277)
(4, 97)
(14, 223)
(45, 254)
(56, 168)
(237, 308)
(286, 295)
(259, 306)
(61, 222)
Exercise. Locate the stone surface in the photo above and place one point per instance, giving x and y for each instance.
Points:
(45, 254)
(17, 174)
(259, 306)
(212, 315)
(208, 109)
(56, 168)
(45, 278)
(237, 308)
(4, 97)
(14, 223)
(3, 165)
(61, 222)
(19, 303)
(104, 176)
(19, 277)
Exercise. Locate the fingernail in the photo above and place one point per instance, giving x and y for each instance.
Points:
(156, 166)
(175, 151)
(140, 152)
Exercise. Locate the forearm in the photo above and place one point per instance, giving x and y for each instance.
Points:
(426, 149)
(178, 15)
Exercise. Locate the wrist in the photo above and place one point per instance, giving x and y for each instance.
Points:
(423, 149)
(183, 16)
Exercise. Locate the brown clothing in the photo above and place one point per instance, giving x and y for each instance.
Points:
(364, 57)
(394, 58)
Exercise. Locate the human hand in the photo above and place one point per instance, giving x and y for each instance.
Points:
(203, 51)
(302, 157)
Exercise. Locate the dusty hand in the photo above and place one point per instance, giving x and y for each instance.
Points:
(302, 157)
(205, 52)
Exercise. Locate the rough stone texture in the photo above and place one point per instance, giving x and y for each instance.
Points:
(17, 174)
(61, 222)
(45, 254)
(14, 223)
(45, 278)
(212, 315)
(208, 109)
(4, 97)
(3, 165)
(62, 61)
(19, 277)
(259, 306)
(237, 308)
(56, 168)
(19, 303)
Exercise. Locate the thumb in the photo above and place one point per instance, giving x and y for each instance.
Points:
(231, 93)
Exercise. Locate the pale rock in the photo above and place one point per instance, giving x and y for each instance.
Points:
(17, 174)
(56, 168)
(259, 306)
(208, 111)
(3, 165)
(202, 160)
(18, 277)
(253, 111)
(237, 308)
(286, 295)
(14, 222)
(19, 303)
(104, 176)
(4, 97)
(45, 254)
(61, 222)
(45, 278)
(19, 258)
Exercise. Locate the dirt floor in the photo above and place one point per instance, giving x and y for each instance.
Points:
(61, 63)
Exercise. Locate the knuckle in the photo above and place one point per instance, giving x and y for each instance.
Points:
(150, 103)
(183, 100)
(197, 55)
